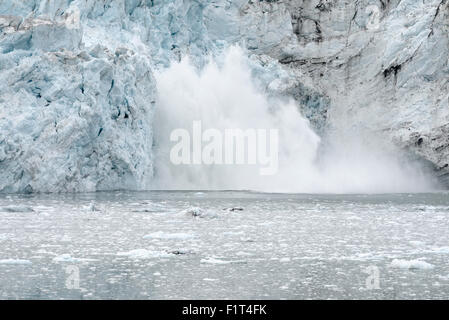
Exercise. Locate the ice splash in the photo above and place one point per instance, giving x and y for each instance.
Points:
(224, 96)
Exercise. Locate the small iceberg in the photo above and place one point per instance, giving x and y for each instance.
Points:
(411, 264)
(180, 252)
(14, 261)
(14, 208)
(144, 254)
(214, 261)
(233, 209)
(197, 212)
(92, 207)
(4, 236)
(68, 258)
(169, 236)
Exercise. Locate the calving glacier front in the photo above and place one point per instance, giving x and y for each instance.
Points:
(80, 109)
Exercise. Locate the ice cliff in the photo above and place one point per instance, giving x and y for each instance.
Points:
(77, 92)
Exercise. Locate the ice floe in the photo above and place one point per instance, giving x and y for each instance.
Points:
(16, 208)
(411, 264)
(169, 236)
(92, 207)
(214, 261)
(14, 261)
(68, 258)
(232, 209)
(144, 254)
(197, 212)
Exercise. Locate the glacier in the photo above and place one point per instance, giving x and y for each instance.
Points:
(78, 93)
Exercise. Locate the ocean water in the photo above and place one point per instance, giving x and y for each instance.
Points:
(193, 245)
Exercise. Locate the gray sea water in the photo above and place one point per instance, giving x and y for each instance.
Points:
(191, 245)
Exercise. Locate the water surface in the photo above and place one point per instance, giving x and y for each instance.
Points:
(150, 245)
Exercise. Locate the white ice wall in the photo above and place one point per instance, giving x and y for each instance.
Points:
(77, 92)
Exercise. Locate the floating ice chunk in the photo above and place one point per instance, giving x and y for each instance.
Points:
(284, 260)
(64, 258)
(14, 261)
(197, 212)
(66, 238)
(417, 243)
(194, 212)
(232, 233)
(232, 209)
(146, 210)
(181, 251)
(165, 235)
(14, 208)
(214, 261)
(91, 207)
(440, 249)
(68, 258)
(4, 236)
(43, 251)
(144, 254)
(411, 264)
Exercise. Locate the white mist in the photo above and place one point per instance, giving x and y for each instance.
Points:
(225, 97)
